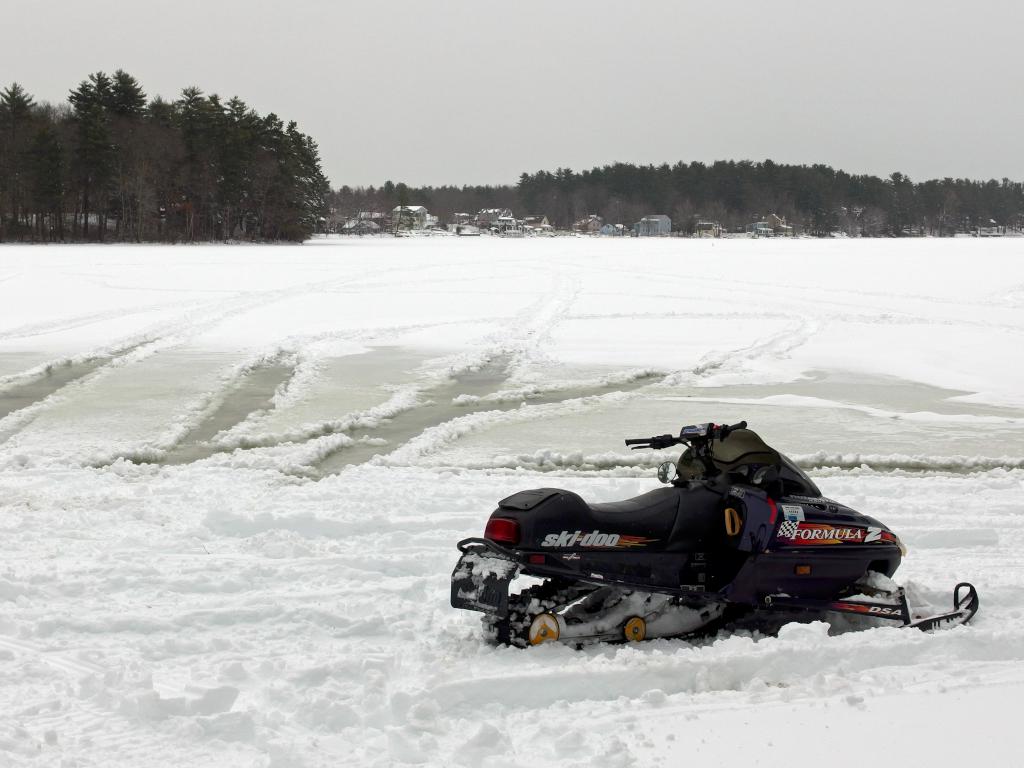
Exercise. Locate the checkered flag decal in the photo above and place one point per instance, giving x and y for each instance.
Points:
(788, 529)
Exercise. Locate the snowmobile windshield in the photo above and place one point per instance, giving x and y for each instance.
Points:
(743, 448)
(795, 481)
(689, 466)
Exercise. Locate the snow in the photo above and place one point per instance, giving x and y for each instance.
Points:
(190, 576)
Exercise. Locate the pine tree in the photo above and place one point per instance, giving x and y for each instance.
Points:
(46, 183)
(237, 153)
(126, 108)
(95, 151)
(15, 115)
(127, 98)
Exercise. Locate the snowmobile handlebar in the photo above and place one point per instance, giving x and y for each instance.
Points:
(687, 434)
(657, 443)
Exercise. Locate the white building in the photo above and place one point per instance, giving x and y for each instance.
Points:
(413, 217)
(509, 226)
(657, 225)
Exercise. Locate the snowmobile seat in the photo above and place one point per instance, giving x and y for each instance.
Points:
(650, 514)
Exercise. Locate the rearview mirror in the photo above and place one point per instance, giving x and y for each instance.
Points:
(667, 471)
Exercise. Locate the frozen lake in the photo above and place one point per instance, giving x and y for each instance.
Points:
(232, 478)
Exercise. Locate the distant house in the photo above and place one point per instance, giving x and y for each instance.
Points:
(509, 226)
(538, 225)
(707, 229)
(487, 218)
(591, 225)
(359, 226)
(772, 226)
(993, 230)
(613, 230)
(350, 224)
(463, 224)
(779, 225)
(656, 225)
(412, 217)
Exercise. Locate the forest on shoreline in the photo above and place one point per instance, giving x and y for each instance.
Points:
(112, 165)
(815, 199)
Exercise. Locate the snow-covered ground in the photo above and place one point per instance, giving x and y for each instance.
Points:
(232, 478)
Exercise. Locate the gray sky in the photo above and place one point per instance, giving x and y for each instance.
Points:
(472, 91)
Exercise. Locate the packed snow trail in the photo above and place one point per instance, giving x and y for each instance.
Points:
(182, 584)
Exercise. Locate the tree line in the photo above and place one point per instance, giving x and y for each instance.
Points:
(815, 199)
(113, 165)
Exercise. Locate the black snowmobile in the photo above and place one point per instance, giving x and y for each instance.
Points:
(742, 535)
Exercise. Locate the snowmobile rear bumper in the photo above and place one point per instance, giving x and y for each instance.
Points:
(481, 577)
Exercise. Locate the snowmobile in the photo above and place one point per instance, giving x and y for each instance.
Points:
(740, 535)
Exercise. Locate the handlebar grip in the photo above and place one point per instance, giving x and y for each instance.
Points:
(657, 442)
(727, 430)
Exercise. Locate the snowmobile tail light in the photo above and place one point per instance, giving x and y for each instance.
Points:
(803, 570)
(503, 530)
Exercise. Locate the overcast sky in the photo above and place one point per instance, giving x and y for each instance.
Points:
(473, 91)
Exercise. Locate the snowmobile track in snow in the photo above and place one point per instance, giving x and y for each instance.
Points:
(252, 394)
(467, 393)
